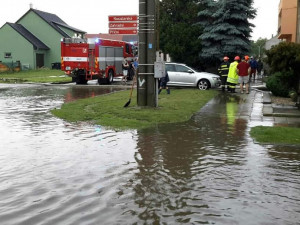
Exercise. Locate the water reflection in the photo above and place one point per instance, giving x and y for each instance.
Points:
(78, 92)
(185, 170)
(205, 171)
(208, 171)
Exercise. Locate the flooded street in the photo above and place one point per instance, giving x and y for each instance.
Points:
(205, 171)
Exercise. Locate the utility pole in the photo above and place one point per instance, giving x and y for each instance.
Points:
(298, 41)
(146, 88)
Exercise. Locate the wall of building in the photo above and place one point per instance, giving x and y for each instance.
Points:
(271, 42)
(46, 33)
(298, 23)
(20, 49)
(71, 33)
(287, 20)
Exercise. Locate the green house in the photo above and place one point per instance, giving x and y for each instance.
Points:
(34, 40)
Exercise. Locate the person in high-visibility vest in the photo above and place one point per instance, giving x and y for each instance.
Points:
(233, 77)
(223, 72)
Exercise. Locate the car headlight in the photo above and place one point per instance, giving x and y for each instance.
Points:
(216, 78)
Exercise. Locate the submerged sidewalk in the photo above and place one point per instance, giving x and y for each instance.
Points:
(264, 112)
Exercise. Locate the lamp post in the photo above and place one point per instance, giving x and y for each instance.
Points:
(259, 47)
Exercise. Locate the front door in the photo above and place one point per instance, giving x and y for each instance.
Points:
(39, 60)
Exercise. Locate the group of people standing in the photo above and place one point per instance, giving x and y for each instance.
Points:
(129, 69)
(238, 72)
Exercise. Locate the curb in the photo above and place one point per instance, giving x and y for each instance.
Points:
(266, 98)
(268, 109)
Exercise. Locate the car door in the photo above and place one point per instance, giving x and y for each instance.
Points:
(173, 76)
(186, 76)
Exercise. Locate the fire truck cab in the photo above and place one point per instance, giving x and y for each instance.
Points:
(102, 60)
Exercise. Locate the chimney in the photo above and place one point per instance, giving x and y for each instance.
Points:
(31, 5)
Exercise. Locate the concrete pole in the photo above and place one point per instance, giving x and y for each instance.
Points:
(141, 77)
(146, 95)
(298, 41)
(151, 53)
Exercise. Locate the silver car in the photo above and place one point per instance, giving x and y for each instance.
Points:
(182, 75)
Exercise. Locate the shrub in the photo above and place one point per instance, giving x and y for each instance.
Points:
(285, 59)
(293, 95)
(276, 85)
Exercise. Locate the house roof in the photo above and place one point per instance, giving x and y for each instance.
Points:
(54, 21)
(37, 44)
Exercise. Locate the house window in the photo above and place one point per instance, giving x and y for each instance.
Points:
(7, 55)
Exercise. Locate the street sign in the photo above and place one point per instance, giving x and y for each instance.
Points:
(123, 31)
(124, 18)
(122, 25)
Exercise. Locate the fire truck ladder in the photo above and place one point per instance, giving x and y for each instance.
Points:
(89, 75)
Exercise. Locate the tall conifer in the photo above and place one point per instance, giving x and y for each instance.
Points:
(226, 28)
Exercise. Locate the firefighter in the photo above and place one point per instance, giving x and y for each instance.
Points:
(223, 72)
(247, 58)
(233, 77)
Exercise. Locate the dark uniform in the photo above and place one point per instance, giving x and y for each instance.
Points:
(163, 83)
(223, 72)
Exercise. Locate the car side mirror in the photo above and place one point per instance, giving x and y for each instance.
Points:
(190, 71)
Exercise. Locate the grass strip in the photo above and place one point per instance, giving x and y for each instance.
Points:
(276, 135)
(109, 111)
(35, 76)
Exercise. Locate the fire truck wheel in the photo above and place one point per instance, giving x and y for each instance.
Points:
(100, 81)
(110, 78)
(81, 80)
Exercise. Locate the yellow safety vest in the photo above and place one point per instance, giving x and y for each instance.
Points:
(233, 76)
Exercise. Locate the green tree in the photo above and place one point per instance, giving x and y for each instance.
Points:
(226, 28)
(258, 47)
(178, 32)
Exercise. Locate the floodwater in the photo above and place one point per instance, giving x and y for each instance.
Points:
(205, 171)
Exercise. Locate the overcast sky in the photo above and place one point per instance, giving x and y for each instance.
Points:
(92, 15)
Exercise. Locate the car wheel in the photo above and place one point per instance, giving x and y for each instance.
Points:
(203, 84)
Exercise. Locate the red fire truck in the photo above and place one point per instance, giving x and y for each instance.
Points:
(100, 60)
